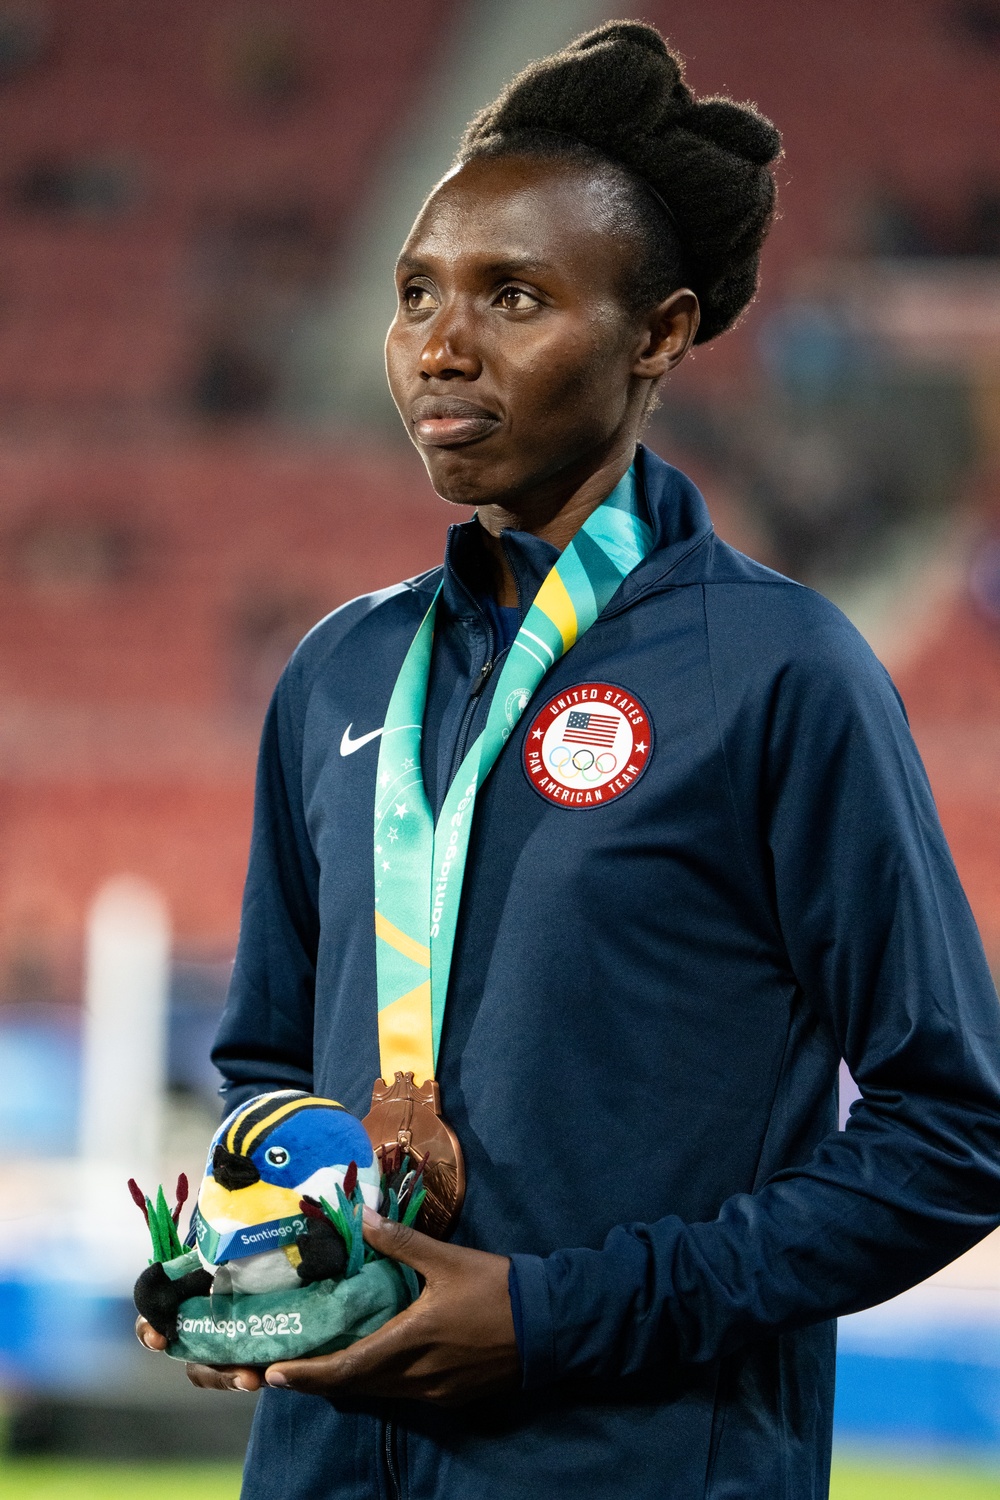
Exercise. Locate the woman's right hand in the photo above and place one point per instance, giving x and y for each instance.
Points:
(208, 1377)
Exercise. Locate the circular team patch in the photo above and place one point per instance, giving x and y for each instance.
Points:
(588, 745)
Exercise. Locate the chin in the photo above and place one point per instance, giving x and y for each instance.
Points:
(462, 477)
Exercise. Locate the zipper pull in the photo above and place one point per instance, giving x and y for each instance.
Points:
(482, 679)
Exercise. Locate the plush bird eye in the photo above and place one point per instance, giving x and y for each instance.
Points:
(276, 1156)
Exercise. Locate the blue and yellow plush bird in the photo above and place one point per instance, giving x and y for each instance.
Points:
(263, 1161)
(258, 1224)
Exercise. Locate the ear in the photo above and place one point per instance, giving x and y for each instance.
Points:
(668, 333)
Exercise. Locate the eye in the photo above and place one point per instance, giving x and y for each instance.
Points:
(276, 1156)
(515, 299)
(417, 298)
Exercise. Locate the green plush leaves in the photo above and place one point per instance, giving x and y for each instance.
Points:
(161, 1223)
(347, 1221)
(337, 1220)
(414, 1206)
(162, 1230)
(351, 1211)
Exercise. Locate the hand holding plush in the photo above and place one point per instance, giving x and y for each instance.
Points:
(280, 1267)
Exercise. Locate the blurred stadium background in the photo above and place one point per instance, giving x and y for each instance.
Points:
(200, 204)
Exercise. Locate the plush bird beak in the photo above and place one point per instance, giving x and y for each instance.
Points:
(233, 1171)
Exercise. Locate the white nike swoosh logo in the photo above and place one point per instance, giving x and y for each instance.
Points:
(348, 746)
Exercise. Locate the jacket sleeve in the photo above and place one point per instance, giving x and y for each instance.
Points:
(265, 1038)
(882, 945)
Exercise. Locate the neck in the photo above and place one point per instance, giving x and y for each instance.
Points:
(554, 512)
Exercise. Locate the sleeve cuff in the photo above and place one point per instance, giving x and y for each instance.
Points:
(532, 1309)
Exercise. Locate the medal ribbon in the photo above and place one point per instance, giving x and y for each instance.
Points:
(419, 868)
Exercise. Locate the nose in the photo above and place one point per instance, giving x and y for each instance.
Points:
(449, 352)
(231, 1171)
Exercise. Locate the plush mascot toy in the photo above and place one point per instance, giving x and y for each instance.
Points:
(279, 1267)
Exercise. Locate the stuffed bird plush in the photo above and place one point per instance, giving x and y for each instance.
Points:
(259, 1227)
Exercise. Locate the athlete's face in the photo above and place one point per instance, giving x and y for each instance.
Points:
(512, 358)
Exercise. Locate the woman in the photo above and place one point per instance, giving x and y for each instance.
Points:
(703, 865)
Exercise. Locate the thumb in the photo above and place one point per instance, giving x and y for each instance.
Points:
(403, 1243)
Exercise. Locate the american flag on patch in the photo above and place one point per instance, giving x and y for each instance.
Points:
(590, 729)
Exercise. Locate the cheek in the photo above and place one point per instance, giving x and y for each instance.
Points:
(572, 382)
(396, 356)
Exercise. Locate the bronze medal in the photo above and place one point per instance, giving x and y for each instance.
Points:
(405, 1120)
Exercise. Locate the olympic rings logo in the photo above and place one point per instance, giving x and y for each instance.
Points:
(569, 764)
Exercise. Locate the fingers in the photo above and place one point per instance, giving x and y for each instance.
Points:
(373, 1357)
(403, 1242)
(224, 1377)
(312, 1377)
(209, 1377)
(455, 1343)
(147, 1335)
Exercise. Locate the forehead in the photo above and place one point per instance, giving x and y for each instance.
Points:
(557, 214)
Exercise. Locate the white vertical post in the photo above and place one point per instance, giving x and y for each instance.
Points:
(124, 1035)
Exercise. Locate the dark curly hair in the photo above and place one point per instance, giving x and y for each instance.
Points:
(688, 178)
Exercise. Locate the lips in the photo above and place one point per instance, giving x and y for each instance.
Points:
(448, 422)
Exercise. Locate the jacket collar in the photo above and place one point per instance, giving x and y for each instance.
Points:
(681, 527)
(467, 574)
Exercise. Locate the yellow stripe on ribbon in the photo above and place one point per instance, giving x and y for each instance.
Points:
(399, 940)
(554, 601)
(404, 1033)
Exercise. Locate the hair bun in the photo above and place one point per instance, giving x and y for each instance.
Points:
(637, 33)
(737, 128)
(638, 69)
(619, 92)
(606, 86)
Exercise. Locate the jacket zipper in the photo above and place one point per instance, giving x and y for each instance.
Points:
(395, 1489)
(483, 678)
(493, 657)
(486, 672)
(469, 711)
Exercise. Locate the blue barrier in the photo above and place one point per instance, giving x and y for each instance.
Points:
(911, 1400)
(59, 1334)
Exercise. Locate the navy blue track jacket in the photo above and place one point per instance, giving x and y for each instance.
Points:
(648, 1005)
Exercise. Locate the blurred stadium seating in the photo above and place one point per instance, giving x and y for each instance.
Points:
(161, 556)
(177, 183)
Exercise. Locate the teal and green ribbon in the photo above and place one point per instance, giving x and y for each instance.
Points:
(419, 868)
